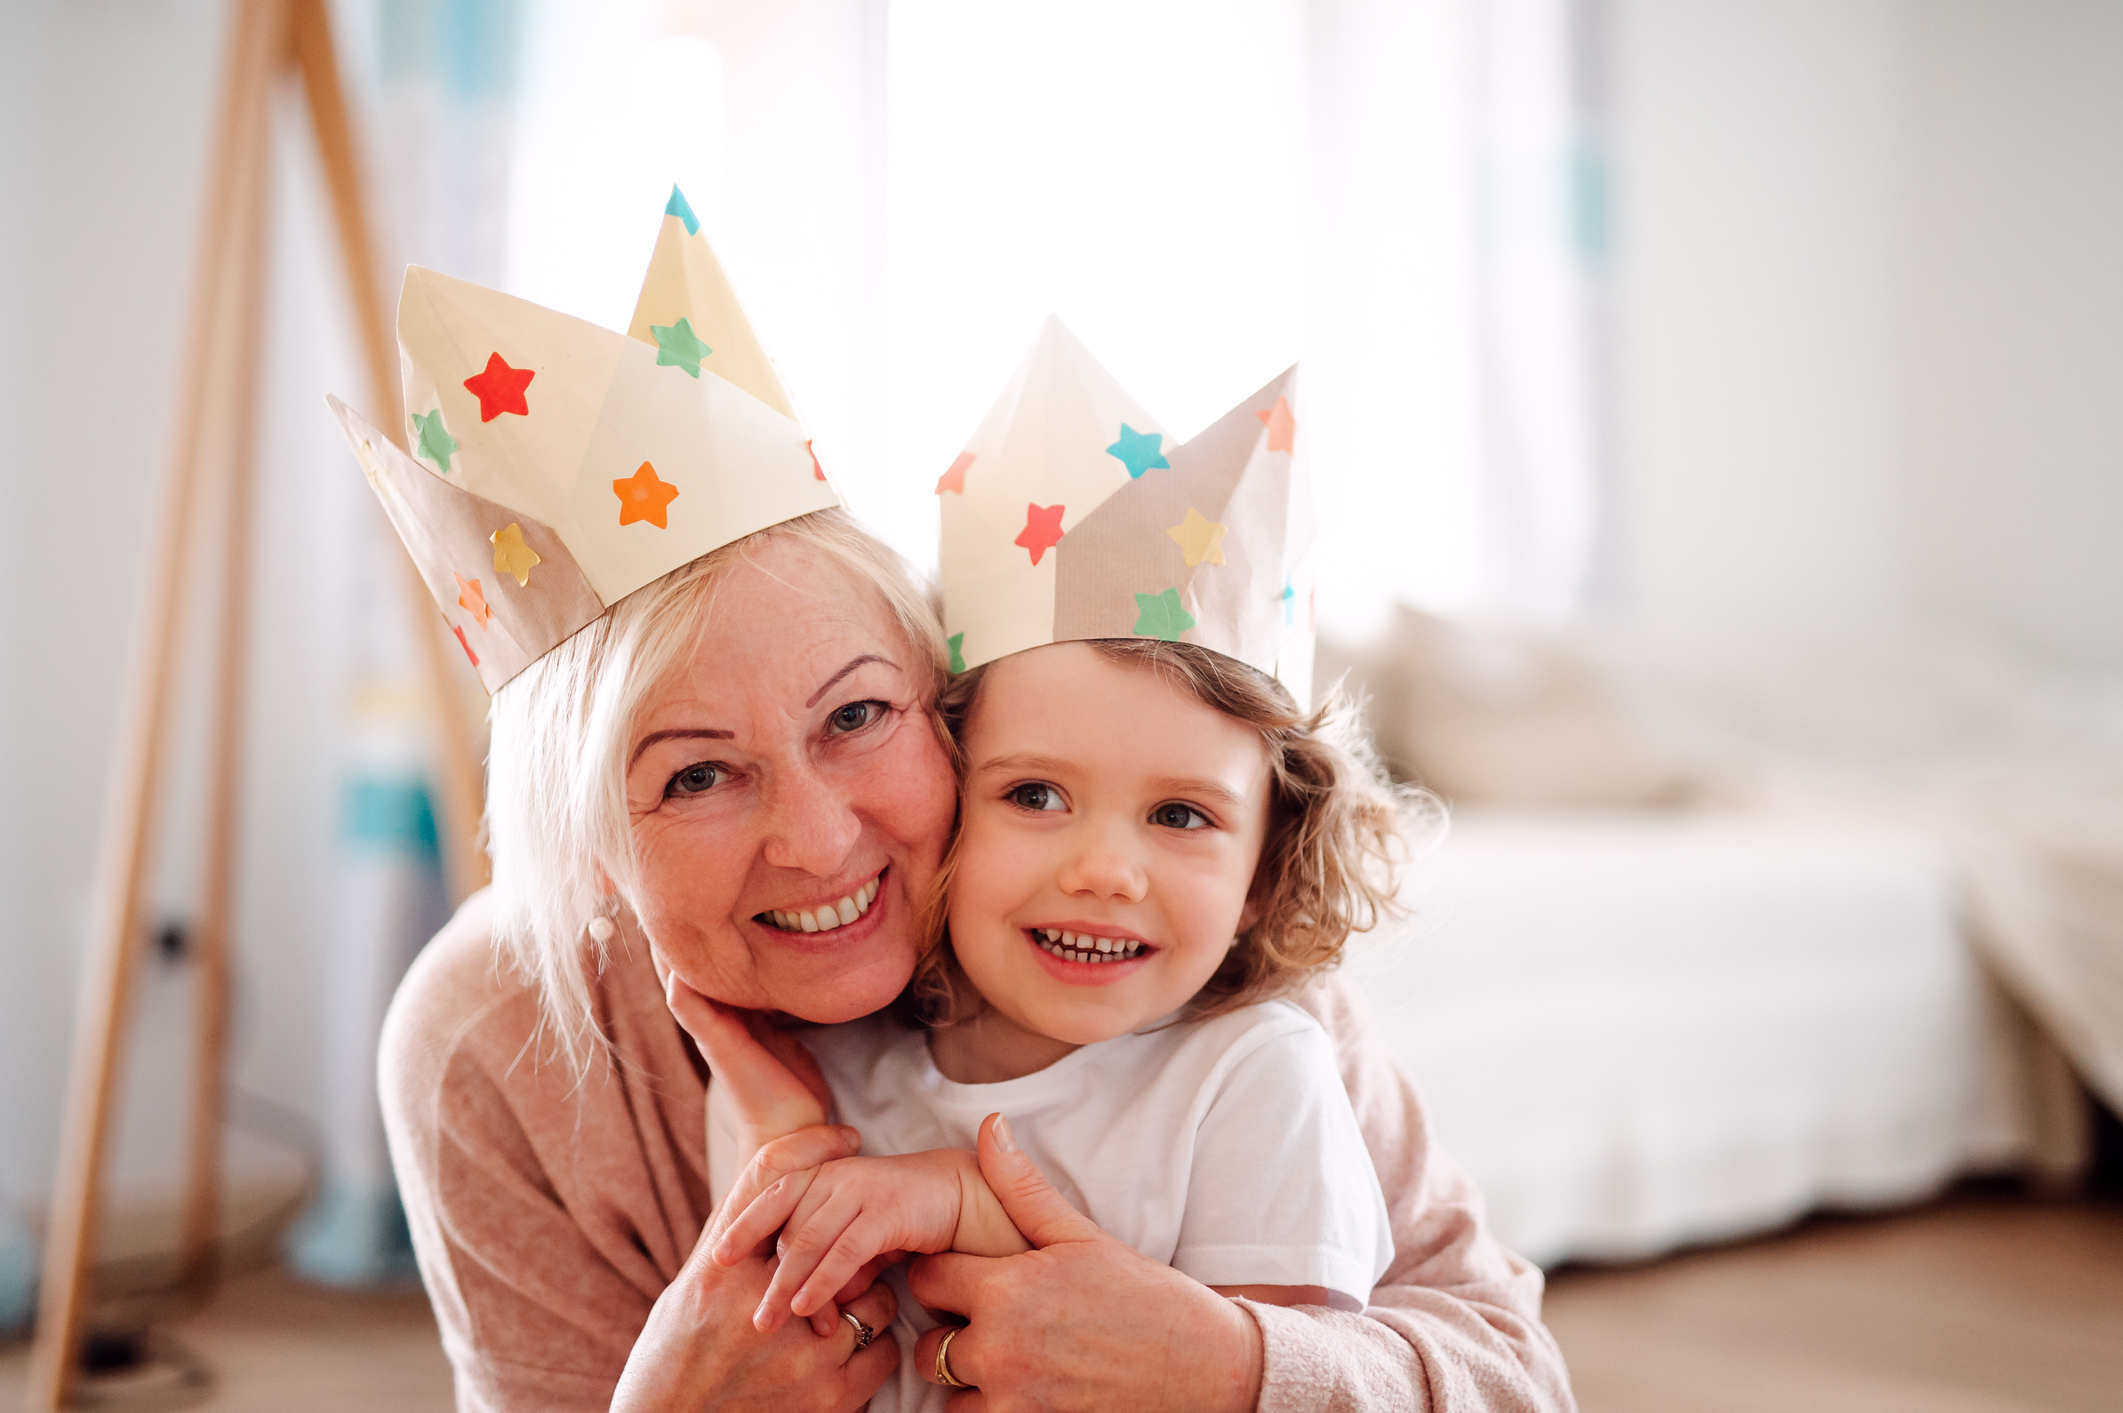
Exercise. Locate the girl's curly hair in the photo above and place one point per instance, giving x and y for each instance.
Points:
(1330, 864)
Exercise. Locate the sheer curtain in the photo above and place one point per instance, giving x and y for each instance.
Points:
(1403, 192)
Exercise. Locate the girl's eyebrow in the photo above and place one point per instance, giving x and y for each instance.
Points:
(1027, 763)
(1201, 789)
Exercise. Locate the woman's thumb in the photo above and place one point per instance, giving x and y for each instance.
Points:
(1040, 1214)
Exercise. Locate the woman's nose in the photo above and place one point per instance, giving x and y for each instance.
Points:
(810, 826)
(1107, 866)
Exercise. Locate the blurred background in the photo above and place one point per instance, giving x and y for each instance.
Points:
(1716, 408)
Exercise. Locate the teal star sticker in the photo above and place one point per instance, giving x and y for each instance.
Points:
(958, 659)
(678, 206)
(678, 346)
(1289, 598)
(1161, 616)
(1138, 451)
(433, 440)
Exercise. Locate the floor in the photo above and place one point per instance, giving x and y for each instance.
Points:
(1981, 1303)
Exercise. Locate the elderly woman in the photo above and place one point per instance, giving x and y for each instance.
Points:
(715, 759)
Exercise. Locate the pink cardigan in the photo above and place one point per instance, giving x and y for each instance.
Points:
(548, 1215)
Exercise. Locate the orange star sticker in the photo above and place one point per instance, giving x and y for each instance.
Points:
(473, 600)
(1042, 530)
(643, 497)
(954, 480)
(500, 388)
(1282, 427)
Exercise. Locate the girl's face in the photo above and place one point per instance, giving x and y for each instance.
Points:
(1110, 832)
(788, 796)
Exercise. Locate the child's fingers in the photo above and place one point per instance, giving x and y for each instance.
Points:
(851, 1251)
(803, 1151)
(769, 1213)
(809, 1238)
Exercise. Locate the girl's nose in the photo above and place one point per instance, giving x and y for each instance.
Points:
(1107, 866)
(810, 826)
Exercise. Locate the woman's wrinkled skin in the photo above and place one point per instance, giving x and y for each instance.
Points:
(789, 763)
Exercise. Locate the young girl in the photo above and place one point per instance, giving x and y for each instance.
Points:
(1154, 845)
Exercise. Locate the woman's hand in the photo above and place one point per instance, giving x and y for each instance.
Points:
(1083, 1321)
(700, 1350)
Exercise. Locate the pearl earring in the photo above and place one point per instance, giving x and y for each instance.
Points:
(603, 929)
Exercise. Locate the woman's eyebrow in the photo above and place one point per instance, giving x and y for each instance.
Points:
(858, 662)
(680, 733)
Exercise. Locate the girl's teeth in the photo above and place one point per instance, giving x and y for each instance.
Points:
(1082, 947)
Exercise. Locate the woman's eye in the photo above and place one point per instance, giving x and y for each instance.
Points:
(1179, 817)
(855, 716)
(1036, 796)
(695, 780)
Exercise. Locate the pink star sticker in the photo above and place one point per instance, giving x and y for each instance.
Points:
(955, 478)
(1042, 530)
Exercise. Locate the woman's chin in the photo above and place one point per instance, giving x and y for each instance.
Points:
(846, 994)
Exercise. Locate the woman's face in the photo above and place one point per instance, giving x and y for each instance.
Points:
(788, 798)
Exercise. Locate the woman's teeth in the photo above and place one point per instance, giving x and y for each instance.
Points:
(832, 915)
(1083, 947)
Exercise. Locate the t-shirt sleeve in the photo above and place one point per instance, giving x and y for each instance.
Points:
(1282, 1191)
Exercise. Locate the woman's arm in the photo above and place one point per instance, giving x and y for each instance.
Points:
(1454, 1324)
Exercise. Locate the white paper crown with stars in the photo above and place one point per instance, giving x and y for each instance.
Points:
(557, 466)
(1070, 515)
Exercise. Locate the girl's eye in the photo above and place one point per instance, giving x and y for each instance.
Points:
(1179, 817)
(695, 780)
(855, 716)
(1036, 796)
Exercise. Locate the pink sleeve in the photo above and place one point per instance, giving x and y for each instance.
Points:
(1455, 1323)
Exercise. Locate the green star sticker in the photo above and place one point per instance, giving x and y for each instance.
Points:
(433, 440)
(958, 659)
(678, 346)
(1161, 616)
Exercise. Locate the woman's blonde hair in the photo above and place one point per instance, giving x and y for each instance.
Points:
(1339, 833)
(561, 730)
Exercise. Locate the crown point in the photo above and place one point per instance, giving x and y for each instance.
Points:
(678, 206)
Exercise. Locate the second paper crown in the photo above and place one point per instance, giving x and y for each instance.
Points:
(1071, 515)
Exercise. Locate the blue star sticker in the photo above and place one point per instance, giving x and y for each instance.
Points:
(678, 346)
(678, 206)
(433, 440)
(1160, 616)
(1289, 598)
(1138, 451)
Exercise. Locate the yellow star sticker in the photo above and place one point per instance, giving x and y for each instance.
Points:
(512, 555)
(1199, 538)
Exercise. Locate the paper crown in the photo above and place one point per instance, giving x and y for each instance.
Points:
(556, 466)
(1070, 515)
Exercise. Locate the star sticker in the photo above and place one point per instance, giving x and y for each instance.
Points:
(1138, 451)
(500, 388)
(816, 469)
(465, 643)
(643, 497)
(1289, 598)
(677, 346)
(473, 600)
(681, 208)
(433, 440)
(958, 659)
(954, 480)
(1282, 427)
(1199, 538)
(1042, 530)
(1160, 616)
(512, 556)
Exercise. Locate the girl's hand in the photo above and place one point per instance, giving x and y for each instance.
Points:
(698, 1349)
(1043, 1331)
(840, 1219)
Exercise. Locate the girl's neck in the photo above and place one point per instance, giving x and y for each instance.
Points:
(988, 1048)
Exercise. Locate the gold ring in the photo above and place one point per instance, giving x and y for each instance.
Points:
(863, 1333)
(943, 1359)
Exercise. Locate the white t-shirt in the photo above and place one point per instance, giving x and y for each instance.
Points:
(1224, 1148)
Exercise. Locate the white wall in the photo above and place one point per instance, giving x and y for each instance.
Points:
(1869, 318)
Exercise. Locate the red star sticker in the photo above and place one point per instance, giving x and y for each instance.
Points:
(500, 389)
(473, 600)
(464, 643)
(643, 497)
(816, 469)
(1282, 427)
(1042, 530)
(955, 478)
